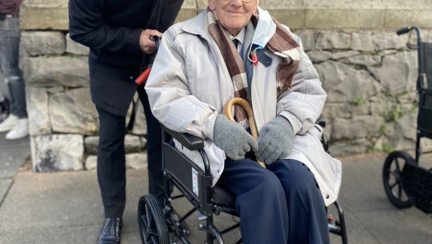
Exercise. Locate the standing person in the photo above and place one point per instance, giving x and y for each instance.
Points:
(17, 122)
(120, 37)
(244, 53)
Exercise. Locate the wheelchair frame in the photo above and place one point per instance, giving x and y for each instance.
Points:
(410, 180)
(178, 172)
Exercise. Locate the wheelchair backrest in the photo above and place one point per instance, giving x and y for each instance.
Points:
(427, 66)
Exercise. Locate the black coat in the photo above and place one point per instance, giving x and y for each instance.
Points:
(111, 29)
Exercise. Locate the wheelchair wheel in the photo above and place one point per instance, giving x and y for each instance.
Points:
(151, 221)
(393, 185)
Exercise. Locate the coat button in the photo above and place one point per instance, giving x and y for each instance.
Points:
(327, 196)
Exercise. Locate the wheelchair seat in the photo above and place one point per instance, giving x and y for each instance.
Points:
(223, 198)
(224, 201)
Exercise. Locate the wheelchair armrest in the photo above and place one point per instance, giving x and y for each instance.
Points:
(321, 122)
(189, 141)
(324, 140)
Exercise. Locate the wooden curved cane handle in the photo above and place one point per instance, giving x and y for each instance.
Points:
(245, 105)
(228, 108)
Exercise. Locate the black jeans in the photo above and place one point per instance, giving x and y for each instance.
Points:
(111, 168)
(9, 58)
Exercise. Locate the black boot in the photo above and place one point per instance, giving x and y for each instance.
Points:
(111, 230)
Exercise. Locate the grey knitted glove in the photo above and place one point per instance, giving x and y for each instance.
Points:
(232, 138)
(275, 140)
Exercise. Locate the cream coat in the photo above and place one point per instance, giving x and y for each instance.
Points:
(190, 84)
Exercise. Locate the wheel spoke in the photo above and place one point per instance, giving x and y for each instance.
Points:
(150, 232)
(400, 192)
(149, 216)
(153, 232)
(395, 174)
(393, 185)
(144, 220)
(155, 239)
(397, 165)
(151, 236)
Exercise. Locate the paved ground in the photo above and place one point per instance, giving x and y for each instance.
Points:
(66, 207)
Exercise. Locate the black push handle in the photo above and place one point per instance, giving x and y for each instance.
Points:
(157, 40)
(142, 78)
(403, 30)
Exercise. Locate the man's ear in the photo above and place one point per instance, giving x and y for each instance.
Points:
(211, 4)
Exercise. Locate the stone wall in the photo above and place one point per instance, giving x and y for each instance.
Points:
(367, 70)
(370, 78)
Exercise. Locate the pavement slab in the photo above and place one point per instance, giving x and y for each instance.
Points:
(62, 208)
(370, 217)
(4, 188)
(13, 154)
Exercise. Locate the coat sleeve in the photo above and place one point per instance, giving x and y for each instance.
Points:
(87, 27)
(303, 103)
(169, 95)
(10, 6)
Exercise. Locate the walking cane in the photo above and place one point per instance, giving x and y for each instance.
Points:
(246, 106)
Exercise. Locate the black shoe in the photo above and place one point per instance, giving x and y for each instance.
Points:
(111, 230)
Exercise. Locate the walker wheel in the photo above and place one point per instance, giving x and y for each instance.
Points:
(393, 186)
(151, 221)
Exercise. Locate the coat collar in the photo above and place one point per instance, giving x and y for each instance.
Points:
(197, 26)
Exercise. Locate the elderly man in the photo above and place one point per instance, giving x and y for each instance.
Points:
(235, 49)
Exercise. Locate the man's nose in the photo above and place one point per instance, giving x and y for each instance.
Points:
(236, 3)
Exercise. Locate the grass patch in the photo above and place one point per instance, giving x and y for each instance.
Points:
(387, 148)
(357, 101)
(393, 115)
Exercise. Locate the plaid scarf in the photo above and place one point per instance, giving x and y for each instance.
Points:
(281, 44)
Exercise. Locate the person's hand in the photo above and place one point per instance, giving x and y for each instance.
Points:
(232, 138)
(275, 140)
(147, 44)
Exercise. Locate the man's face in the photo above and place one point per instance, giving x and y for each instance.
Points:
(233, 14)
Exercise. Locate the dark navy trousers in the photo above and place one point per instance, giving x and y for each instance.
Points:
(111, 168)
(280, 204)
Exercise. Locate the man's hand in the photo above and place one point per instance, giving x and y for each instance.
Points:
(147, 43)
(232, 138)
(275, 140)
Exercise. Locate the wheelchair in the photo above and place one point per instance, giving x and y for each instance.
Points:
(406, 183)
(161, 224)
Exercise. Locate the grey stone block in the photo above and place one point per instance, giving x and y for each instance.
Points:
(35, 43)
(38, 111)
(56, 71)
(57, 152)
(73, 112)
